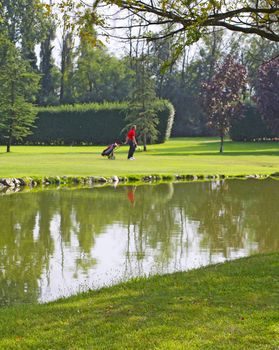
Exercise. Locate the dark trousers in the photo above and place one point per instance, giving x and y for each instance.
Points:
(131, 149)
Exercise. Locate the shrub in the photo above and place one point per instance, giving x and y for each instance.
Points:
(251, 127)
(166, 119)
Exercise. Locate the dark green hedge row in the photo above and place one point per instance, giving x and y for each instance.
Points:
(91, 124)
(251, 127)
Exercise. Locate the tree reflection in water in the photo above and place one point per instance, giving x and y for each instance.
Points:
(54, 242)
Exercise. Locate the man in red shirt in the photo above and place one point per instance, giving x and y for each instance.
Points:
(132, 142)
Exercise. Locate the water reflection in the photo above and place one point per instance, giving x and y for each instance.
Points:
(56, 243)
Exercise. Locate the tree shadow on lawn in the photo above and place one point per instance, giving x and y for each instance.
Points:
(230, 149)
(217, 153)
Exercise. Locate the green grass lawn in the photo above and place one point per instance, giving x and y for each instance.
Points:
(177, 156)
(231, 306)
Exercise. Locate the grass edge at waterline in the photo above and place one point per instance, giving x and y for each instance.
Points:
(225, 306)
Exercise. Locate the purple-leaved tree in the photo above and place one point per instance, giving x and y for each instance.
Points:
(267, 93)
(222, 96)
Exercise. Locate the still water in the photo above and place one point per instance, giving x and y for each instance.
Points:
(58, 242)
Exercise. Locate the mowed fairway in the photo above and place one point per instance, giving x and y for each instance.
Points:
(177, 156)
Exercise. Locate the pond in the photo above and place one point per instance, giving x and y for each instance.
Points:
(56, 243)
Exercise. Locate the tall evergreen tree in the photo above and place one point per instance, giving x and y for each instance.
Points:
(141, 107)
(67, 66)
(48, 70)
(18, 85)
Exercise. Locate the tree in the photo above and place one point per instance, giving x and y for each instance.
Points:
(195, 17)
(24, 22)
(190, 116)
(180, 80)
(70, 12)
(18, 84)
(99, 76)
(33, 29)
(67, 66)
(267, 96)
(222, 96)
(50, 77)
(255, 52)
(50, 73)
(142, 111)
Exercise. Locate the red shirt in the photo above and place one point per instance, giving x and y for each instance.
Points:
(131, 134)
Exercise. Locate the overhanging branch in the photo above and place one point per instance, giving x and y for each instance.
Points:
(244, 20)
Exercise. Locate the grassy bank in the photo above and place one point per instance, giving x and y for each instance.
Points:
(229, 306)
(177, 156)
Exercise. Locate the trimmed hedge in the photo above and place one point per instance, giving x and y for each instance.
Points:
(251, 127)
(91, 123)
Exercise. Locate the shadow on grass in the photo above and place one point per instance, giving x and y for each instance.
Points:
(230, 149)
(228, 153)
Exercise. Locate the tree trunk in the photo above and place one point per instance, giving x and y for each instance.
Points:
(10, 136)
(222, 143)
(47, 84)
(66, 62)
(9, 140)
(63, 65)
(12, 118)
(9, 144)
(212, 62)
(144, 143)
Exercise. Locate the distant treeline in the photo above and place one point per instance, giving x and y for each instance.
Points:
(84, 70)
(91, 123)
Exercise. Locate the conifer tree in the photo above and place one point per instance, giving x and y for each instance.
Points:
(141, 108)
(18, 84)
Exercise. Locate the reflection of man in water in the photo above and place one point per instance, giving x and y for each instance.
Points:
(131, 194)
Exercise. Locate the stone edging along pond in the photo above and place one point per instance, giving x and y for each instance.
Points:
(90, 180)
